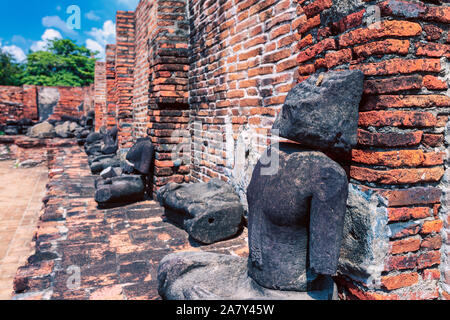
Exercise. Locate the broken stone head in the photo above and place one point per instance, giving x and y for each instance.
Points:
(296, 213)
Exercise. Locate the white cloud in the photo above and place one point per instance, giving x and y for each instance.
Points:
(130, 4)
(92, 16)
(16, 52)
(95, 46)
(19, 39)
(49, 34)
(101, 37)
(57, 22)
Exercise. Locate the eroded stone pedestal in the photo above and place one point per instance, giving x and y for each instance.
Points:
(209, 276)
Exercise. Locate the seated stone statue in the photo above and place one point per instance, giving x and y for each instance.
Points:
(110, 142)
(296, 208)
(141, 156)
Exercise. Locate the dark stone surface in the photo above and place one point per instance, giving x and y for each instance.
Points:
(365, 241)
(322, 111)
(339, 10)
(42, 130)
(209, 212)
(111, 172)
(209, 276)
(94, 137)
(120, 189)
(296, 219)
(101, 163)
(141, 155)
(12, 130)
(110, 142)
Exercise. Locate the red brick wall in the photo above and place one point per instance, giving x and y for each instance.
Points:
(11, 103)
(242, 67)
(125, 39)
(400, 152)
(168, 102)
(111, 119)
(100, 95)
(225, 73)
(22, 102)
(74, 102)
(144, 19)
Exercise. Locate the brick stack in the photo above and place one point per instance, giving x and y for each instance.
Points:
(141, 85)
(30, 100)
(72, 102)
(11, 103)
(124, 75)
(168, 100)
(111, 118)
(401, 149)
(243, 63)
(22, 102)
(100, 95)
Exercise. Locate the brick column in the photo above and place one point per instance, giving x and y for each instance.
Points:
(125, 44)
(400, 152)
(111, 119)
(30, 102)
(100, 95)
(168, 99)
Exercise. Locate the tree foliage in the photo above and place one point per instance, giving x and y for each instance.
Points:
(64, 63)
(10, 70)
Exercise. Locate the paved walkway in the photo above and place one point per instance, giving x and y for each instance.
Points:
(86, 253)
(21, 193)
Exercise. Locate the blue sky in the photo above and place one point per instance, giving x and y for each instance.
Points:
(28, 25)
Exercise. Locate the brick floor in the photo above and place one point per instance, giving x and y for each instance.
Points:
(115, 252)
(21, 193)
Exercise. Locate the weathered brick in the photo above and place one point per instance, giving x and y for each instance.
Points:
(428, 259)
(396, 65)
(404, 101)
(412, 196)
(413, 82)
(399, 281)
(385, 29)
(383, 47)
(401, 262)
(397, 176)
(404, 214)
(432, 243)
(405, 245)
(413, 119)
(393, 139)
(433, 226)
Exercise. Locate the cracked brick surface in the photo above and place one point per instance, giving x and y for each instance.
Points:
(116, 251)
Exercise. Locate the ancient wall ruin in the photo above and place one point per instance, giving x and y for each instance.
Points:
(401, 47)
(220, 71)
(41, 103)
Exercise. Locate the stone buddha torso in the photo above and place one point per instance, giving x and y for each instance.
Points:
(303, 201)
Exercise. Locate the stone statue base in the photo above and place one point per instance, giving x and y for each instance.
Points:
(209, 276)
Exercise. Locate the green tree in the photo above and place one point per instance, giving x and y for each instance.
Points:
(64, 63)
(10, 70)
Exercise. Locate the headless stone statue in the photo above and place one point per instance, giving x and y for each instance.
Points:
(110, 142)
(141, 155)
(296, 212)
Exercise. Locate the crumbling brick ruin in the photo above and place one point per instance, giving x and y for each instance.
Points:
(205, 80)
(223, 69)
(29, 102)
